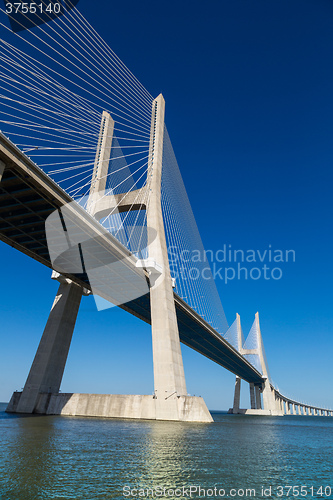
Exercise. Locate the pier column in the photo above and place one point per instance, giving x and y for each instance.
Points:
(258, 397)
(288, 408)
(48, 366)
(169, 378)
(2, 169)
(268, 397)
(252, 397)
(282, 406)
(268, 394)
(237, 395)
(238, 380)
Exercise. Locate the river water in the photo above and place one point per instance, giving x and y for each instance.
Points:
(235, 457)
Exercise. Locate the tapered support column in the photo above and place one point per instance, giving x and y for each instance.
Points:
(237, 395)
(238, 380)
(48, 366)
(252, 397)
(277, 403)
(169, 378)
(258, 397)
(268, 397)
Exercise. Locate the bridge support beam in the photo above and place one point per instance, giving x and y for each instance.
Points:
(48, 366)
(252, 397)
(258, 397)
(237, 395)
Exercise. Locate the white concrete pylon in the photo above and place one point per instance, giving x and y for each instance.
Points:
(169, 378)
(101, 166)
(48, 366)
(267, 391)
(238, 380)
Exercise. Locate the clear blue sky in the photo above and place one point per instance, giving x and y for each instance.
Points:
(249, 107)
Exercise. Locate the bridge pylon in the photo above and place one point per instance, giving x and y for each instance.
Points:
(48, 366)
(170, 392)
(263, 400)
(170, 400)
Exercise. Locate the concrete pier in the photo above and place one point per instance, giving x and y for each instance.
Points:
(190, 408)
(48, 366)
(237, 394)
(252, 397)
(258, 397)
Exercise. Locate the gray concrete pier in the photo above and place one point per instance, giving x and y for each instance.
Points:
(48, 366)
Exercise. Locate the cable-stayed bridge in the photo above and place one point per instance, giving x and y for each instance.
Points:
(91, 188)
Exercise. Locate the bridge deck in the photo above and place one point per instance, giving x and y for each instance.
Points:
(28, 196)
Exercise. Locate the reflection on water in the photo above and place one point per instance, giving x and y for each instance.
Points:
(84, 458)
